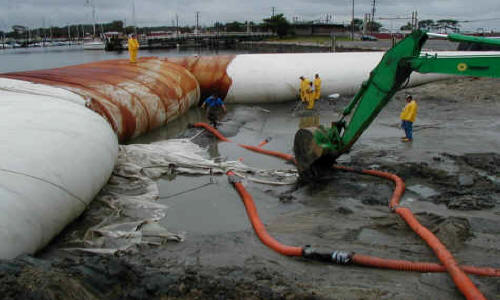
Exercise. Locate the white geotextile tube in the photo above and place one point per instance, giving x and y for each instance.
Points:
(271, 78)
(55, 156)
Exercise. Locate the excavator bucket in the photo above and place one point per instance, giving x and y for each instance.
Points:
(313, 161)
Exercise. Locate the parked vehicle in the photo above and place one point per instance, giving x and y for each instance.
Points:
(368, 38)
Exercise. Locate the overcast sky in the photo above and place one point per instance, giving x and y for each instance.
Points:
(35, 13)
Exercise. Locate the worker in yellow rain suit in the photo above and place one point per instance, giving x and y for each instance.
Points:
(304, 84)
(310, 96)
(408, 116)
(317, 87)
(133, 48)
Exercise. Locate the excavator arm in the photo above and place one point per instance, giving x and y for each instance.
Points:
(318, 147)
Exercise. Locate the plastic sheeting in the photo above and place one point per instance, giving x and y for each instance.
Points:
(131, 214)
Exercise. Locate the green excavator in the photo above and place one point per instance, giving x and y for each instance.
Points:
(317, 148)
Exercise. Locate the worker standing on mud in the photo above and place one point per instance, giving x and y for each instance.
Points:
(408, 116)
(317, 87)
(310, 96)
(304, 84)
(214, 104)
(133, 48)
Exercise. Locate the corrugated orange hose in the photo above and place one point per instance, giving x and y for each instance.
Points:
(464, 284)
(215, 132)
(259, 228)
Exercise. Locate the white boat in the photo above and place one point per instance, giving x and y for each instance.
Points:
(94, 45)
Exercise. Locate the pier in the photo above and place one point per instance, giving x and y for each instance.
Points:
(211, 39)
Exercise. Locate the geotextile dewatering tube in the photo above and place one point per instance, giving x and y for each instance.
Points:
(457, 272)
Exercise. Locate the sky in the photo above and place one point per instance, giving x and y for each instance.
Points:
(36, 13)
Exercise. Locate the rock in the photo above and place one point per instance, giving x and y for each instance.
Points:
(465, 180)
(344, 210)
(374, 201)
(471, 202)
(423, 191)
(453, 231)
(484, 225)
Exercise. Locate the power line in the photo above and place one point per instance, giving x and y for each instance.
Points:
(479, 20)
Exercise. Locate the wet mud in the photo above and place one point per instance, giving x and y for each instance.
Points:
(453, 186)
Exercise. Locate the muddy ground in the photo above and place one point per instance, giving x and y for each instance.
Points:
(452, 173)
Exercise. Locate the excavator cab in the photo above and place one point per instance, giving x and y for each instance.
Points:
(317, 148)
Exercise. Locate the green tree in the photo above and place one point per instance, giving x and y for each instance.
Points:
(116, 25)
(358, 24)
(374, 26)
(235, 26)
(278, 24)
(408, 26)
(426, 24)
(448, 24)
(218, 26)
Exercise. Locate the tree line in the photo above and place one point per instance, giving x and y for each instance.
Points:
(278, 24)
(439, 25)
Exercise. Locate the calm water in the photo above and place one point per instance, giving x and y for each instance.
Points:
(25, 59)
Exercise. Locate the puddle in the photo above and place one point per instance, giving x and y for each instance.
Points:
(422, 191)
(197, 205)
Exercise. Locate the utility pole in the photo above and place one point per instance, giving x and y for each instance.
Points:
(373, 18)
(133, 18)
(366, 20)
(93, 15)
(414, 20)
(197, 22)
(352, 25)
(273, 8)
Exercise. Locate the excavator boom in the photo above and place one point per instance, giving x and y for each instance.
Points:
(318, 147)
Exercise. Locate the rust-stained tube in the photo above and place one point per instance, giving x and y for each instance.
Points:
(134, 98)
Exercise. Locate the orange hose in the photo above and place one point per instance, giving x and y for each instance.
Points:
(258, 149)
(405, 265)
(212, 131)
(259, 228)
(263, 143)
(464, 284)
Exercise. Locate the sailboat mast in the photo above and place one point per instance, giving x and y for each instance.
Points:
(93, 14)
(133, 17)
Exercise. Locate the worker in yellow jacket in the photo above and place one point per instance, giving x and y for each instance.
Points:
(408, 116)
(317, 87)
(133, 48)
(310, 96)
(304, 84)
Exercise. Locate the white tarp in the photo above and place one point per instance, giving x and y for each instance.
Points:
(132, 193)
